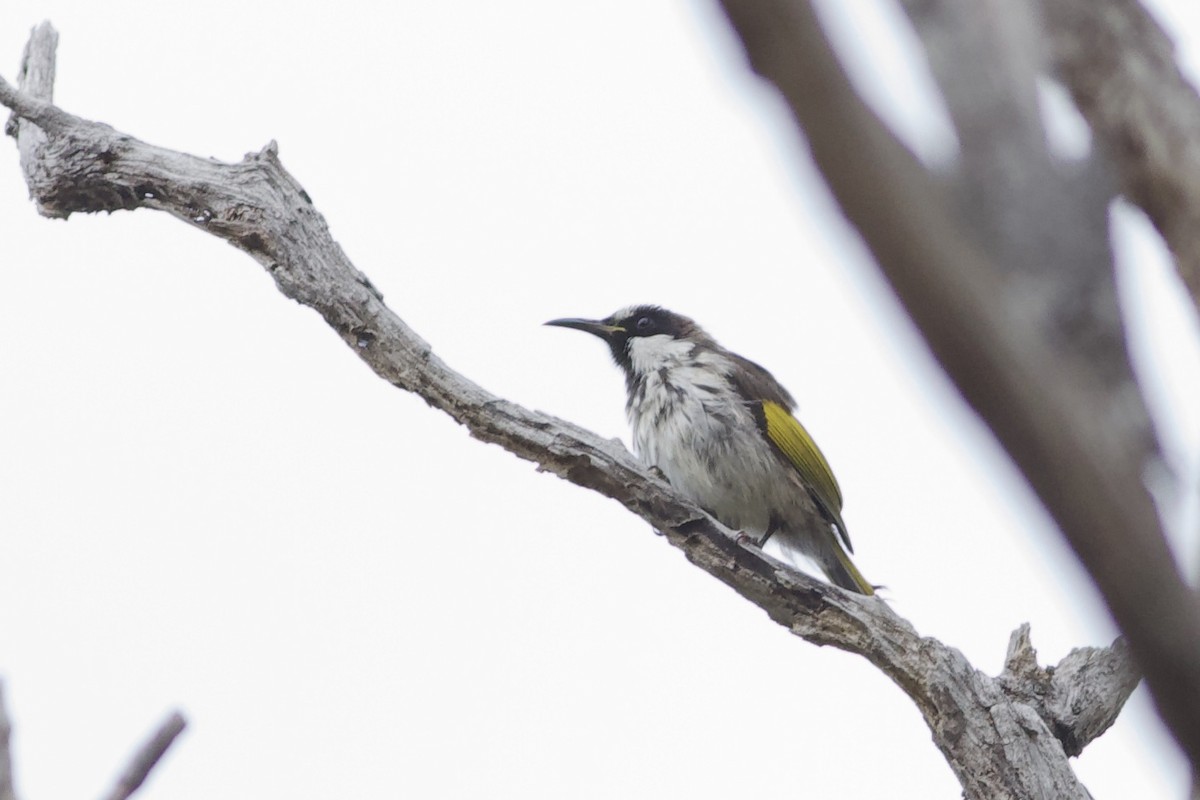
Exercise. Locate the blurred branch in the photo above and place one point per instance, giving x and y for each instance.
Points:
(147, 757)
(996, 741)
(131, 778)
(1043, 223)
(1120, 68)
(8, 789)
(1052, 420)
(983, 58)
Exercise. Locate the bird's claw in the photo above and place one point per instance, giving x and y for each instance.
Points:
(744, 538)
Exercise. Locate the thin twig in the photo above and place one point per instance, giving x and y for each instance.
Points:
(147, 757)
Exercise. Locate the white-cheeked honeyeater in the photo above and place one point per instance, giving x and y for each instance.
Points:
(721, 429)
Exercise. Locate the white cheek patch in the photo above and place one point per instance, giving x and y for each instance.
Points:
(650, 353)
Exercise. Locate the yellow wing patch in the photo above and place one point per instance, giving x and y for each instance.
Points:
(786, 433)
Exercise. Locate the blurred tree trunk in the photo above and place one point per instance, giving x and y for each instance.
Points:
(1004, 264)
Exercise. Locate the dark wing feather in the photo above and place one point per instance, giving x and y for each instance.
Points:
(755, 383)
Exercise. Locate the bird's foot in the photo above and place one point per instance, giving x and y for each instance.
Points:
(758, 541)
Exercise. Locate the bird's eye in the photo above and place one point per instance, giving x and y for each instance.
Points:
(644, 324)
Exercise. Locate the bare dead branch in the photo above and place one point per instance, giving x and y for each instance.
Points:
(1120, 68)
(1061, 695)
(147, 757)
(1082, 674)
(1085, 473)
(36, 80)
(998, 746)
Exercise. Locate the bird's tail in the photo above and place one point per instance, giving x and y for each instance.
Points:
(841, 572)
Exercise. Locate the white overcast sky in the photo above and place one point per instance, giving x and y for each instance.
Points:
(207, 502)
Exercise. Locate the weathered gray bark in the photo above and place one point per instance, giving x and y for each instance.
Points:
(1005, 737)
(1067, 697)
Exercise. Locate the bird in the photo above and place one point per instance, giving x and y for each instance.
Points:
(721, 430)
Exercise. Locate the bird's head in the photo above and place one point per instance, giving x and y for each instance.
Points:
(641, 336)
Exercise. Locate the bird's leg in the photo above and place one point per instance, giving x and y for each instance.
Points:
(772, 528)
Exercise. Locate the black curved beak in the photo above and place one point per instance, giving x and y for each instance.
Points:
(596, 327)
